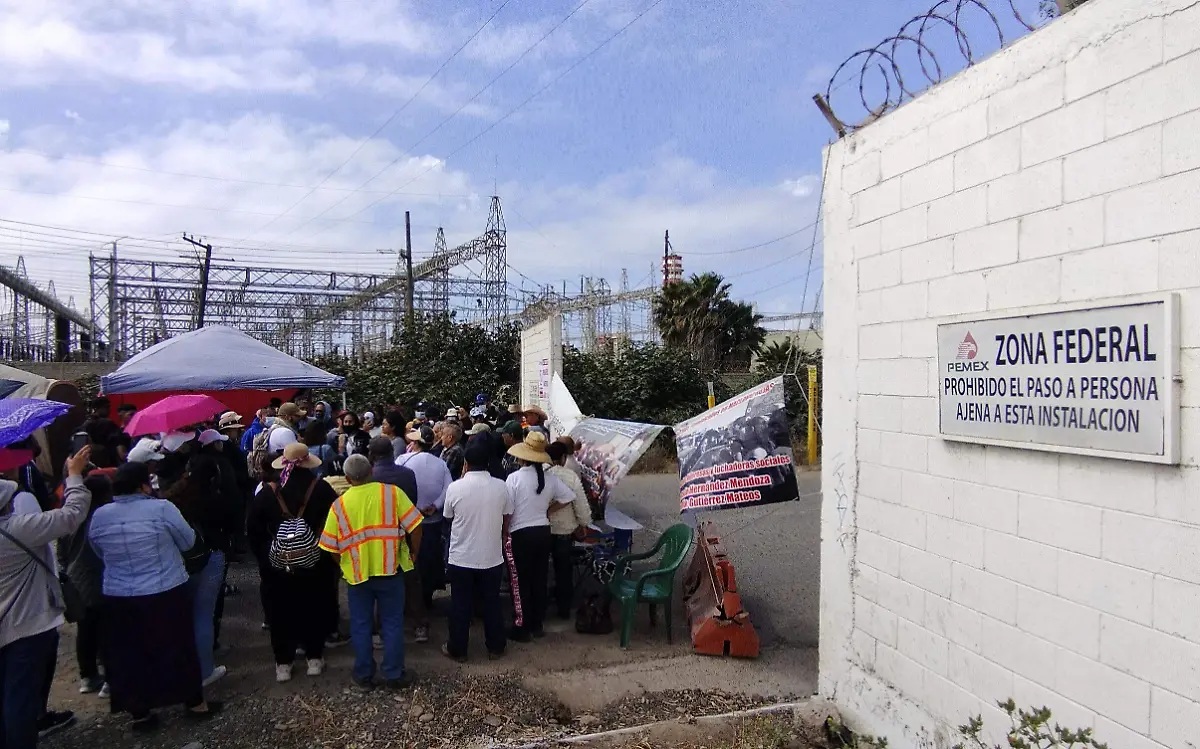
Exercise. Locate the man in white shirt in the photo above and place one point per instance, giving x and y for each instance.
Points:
(433, 478)
(286, 428)
(481, 509)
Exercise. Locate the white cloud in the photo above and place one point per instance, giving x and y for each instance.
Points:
(245, 45)
(597, 228)
(801, 187)
(4, 127)
(72, 115)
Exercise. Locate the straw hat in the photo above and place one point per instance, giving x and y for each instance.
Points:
(230, 420)
(296, 452)
(532, 450)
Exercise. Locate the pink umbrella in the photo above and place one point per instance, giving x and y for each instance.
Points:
(174, 412)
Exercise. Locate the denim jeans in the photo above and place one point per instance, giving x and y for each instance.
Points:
(205, 587)
(388, 593)
(22, 689)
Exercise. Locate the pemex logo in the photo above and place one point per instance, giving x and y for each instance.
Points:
(968, 348)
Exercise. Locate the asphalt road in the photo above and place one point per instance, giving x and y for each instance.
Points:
(775, 550)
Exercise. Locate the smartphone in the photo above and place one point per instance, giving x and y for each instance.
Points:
(79, 440)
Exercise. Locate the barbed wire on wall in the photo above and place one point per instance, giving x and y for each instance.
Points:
(884, 83)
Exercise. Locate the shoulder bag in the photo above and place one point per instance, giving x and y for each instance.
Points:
(71, 609)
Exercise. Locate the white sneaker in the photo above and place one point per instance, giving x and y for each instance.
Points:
(283, 672)
(104, 692)
(316, 666)
(217, 674)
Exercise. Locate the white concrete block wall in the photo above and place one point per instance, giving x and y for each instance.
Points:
(1065, 168)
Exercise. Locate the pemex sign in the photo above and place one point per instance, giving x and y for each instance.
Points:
(1093, 380)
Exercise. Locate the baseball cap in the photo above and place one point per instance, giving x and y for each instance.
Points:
(290, 410)
(146, 451)
(209, 436)
(424, 435)
(175, 440)
(512, 428)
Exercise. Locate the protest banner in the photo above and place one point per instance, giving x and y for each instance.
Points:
(737, 454)
(564, 413)
(608, 449)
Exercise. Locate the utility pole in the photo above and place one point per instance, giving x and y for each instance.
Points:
(202, 302)
(411, 319)
(112, 304)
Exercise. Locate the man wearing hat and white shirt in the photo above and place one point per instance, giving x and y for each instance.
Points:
(286, 428)
(535, 419)
(433, 478)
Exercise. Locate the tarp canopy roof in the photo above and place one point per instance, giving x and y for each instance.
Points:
(215, 358)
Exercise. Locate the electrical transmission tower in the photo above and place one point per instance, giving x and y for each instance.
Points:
(303, 312)
(35, 325)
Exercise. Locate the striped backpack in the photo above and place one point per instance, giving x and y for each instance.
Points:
(295, 545)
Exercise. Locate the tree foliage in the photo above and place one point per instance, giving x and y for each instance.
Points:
(698, 316)
(646, 382)
(786, 359)
(443, 361)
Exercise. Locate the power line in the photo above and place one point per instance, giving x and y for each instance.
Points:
(772, 264)
(820, 203)
(407, 152)
(66, 235)
(362, 144)
(511, 112)
(212, 209)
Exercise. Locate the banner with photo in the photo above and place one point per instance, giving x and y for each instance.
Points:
(608, 450)
(737, 454)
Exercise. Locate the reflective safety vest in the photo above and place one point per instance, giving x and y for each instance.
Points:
(366, 528)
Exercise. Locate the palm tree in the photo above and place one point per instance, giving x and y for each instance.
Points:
(698, 315)
(776, 355)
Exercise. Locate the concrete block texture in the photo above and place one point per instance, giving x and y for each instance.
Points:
(1063, 170)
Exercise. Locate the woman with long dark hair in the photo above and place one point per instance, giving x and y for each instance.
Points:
(149, 643)
(535, 493)
(352, 440)
(299, 580)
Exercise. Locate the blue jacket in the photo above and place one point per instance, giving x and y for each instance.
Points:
(141, 541)
(251, 432)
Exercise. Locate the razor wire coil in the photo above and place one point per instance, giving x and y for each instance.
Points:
(884, 84)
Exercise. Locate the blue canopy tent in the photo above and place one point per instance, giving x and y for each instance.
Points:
(241, 371)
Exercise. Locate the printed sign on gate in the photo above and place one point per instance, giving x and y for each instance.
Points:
(1095, 381)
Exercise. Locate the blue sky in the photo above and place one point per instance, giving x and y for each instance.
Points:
(697, 118)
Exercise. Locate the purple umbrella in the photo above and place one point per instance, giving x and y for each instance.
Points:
(21, 417)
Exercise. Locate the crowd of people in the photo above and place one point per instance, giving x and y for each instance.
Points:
(135, 543)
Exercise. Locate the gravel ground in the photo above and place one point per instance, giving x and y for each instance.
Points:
(443, 712)
(481, 704)
(449, 705)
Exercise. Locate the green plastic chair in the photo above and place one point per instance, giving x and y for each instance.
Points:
(655, 586)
